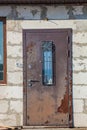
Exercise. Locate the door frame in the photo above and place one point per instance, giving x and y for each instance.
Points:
(69, 37)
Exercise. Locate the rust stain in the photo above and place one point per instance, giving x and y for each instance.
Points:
(30, 47)
(66, 78)
(70, 108)
(64, 105)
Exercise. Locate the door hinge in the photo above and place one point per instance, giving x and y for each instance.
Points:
(68, 53)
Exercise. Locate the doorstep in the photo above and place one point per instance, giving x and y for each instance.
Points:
(49, 128)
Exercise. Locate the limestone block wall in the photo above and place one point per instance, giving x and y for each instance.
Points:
(36, 17)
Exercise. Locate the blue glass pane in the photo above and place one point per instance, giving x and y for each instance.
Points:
(1, 75)
(1, 51)
(47, 49)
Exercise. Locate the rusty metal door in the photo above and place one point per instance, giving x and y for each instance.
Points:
(47, 77)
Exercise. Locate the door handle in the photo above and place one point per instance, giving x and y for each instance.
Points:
(32, 81)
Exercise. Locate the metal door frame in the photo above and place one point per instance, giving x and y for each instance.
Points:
(69, 36)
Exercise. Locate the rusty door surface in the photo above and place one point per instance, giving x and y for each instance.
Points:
(47, 82)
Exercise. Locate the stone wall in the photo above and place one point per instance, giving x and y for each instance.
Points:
(32, 17)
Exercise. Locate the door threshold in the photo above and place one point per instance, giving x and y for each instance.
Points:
(43, 127)
(52, 128)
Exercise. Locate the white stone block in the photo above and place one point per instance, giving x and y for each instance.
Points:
(8, 119)
(14, 25)
(15, 78)
(14, 37)
(80, 120)
(3, 106)
(80, 37)
(10, 122)
(81, 25)
(16, 106)
(79, 51)
(80, 92)
(78, 105)
(11, 92)
(80, 64)
(14, 64)
(1, 123)
(14, 51)
(80, 78)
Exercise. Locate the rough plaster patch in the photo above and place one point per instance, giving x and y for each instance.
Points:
(77, 10)
(13, 13)
(40, 12)
(34, 12)
(5, 10)
(43, 14)
(25, 12)
(70, 12)
(85, 11)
